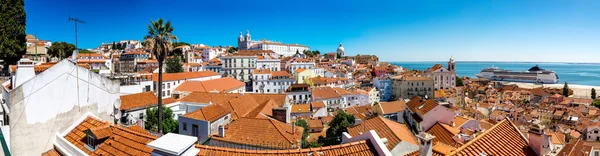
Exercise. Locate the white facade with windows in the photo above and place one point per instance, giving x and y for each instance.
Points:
(443, 78)
(301, 64)
(268, 82)
(211, 53)
(246, 43)
(238, 67)
(169, 86)
(269, 63)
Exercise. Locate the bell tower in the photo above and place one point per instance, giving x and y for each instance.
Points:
(451, 64)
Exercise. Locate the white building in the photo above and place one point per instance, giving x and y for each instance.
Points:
(268, 62)
(300, 63)
(373, 96)
(443, 78)
(330, 97)
(204, 122)
(274, 82)
(42, 105)
(238, 66)
(173, 80)
(246, 43)
(211, 53)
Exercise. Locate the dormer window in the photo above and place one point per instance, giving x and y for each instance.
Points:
(95, 136)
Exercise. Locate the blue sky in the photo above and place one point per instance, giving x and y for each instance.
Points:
(429, 30)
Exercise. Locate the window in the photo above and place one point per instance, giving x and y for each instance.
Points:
(163, 86)
(168, 85)
(596, 132)
(163, 93)
(268, 90)
(168, 93)
(141, 116)
(184, 126)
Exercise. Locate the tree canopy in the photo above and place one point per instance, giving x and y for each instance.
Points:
(169, 124)
(338, 125)
(174, 65)
(231, 50)
(565, 91)
(596, 103)
(593, 93)
(177, 44)
(61, 50)
(311, 53)
(12, 31)
(302, 123)
(459, 81)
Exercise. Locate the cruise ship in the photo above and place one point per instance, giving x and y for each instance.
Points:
(534, 75)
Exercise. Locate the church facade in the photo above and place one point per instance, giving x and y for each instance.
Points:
(246, 43)
(443, 78)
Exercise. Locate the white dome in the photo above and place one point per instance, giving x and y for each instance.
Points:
(340, 49)
(241, 37)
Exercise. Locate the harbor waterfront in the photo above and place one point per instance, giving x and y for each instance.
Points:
(585, 74)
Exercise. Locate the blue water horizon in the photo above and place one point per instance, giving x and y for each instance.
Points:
(572, 73)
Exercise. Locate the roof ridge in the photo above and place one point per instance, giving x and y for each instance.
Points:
(280, 131)
(479, 137)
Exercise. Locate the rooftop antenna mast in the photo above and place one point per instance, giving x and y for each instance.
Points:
(75, 20)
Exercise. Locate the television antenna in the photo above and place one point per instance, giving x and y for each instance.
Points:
(75, 53)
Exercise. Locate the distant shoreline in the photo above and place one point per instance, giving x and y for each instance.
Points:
(579, 91)
(498, 62)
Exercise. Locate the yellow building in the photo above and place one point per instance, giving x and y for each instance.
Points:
(301, 75)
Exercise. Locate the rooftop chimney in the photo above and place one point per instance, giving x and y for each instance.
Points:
(538, 140)
(425, 144)
(25, 71)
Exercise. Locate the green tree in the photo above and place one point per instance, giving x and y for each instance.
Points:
(174, 65)
(177, 44)
(593, 93)
(565, 91)
(596, 103)
(232, 50)
(302, 123)
(85, 51)
(123, 45)
(114, 46)
(61, 50)
(337, 126)
(459, 81)
(170, 125)
(12, 31)
(160, 42)
(297, 52)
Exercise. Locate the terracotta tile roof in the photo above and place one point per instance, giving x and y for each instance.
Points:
(261, 71)
(392, 107)
(324, 93)
(280, 73)
(354, 111)
(485, 125)
(362, 148)
(442, 149)
(279, 99)
(436, 67)
(315, 123)
(208, 113)
(318, 104)
(502, 139)
(575, 148)
(341, 91)
(203, 97)
(557, 138)
(385, 128)
(460, 120)
(183, 75)
(421, 107)
(273, 134)
(124, 141)
(77, 134)
(121, 141)
(52, 152)
(263, 110)
(101, 132)
(443, 134)
(138, 129)
(220, 85)
(300, 70)
(139, 100)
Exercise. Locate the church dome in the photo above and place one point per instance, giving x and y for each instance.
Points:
(340, 49)
(241, 37)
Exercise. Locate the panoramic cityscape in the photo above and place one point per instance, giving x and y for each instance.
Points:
(308, 78)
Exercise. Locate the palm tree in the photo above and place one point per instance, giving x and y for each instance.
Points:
(160, 42)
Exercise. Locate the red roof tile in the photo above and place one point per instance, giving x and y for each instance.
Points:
(220, 85)
(362, 148)
(273, 134)
(183, 75)
(385, 128)
(502, 139)
(208, 113)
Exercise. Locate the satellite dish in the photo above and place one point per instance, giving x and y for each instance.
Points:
(117, 104)
(118, 115)
(75, 53)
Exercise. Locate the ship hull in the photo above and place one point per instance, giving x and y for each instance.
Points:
(520, 80)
